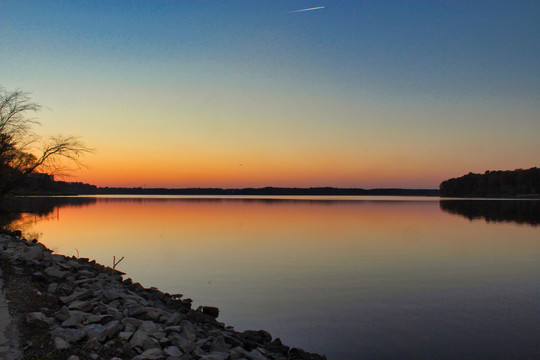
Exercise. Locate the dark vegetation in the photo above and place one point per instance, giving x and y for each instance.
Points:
(23, 152)
(510, 183)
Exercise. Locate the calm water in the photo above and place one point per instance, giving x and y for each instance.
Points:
(370, 278)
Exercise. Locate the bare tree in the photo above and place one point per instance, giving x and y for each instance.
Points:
(22, 151)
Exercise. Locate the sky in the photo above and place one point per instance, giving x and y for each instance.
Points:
(253, 93)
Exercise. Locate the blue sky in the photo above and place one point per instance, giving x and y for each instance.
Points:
(374, 83)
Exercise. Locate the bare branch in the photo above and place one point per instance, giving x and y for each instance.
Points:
(20, 150)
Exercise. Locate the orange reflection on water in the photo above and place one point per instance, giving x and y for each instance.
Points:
(320, 232)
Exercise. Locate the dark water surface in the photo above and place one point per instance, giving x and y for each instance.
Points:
(369, 278)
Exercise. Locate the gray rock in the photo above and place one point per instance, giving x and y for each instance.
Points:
(150, 354)
(152, 313)
(215, 356)
(77, 294)
(135, 311)
(52, 288)
(55, 272)
(125, 335)
(70, 335)
(219, 345)
(86, 274)
(237, 353)
(98, 319)
(150, 343)
(63, 314)
(60, 343)
(34, 253)
(73, 357)
(35, 316)
(150, 327)
(94, 331)
(184, 344)
(172, 351)
(255, 355)
(138, 338)
(174, 319)
(112, 328)
(81, 305)
(93, 344)
(188, 330)
(72, 321)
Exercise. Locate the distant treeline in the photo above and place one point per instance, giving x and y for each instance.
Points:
(39, 184)
(511, 183)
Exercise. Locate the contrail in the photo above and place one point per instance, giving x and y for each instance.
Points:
(309, 9)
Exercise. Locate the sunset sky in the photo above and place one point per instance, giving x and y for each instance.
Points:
(254, 93)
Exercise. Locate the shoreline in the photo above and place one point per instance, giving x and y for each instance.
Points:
(74, 308)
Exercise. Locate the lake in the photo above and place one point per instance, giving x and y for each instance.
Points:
(352, 278)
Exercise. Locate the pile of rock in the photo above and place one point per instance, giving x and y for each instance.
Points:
(96, 312)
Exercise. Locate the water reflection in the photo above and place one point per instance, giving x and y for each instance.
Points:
(518, 211)
(363, 279)
(15, 212)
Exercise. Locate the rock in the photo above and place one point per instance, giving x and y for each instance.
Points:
(125, 335)
(175, 319)
(138, 338)
(60, 343)
(55, 272)
(52, 288)
(72, 321)
(63, 314)
(73, 357)
(210, 310)
(255, 355)
(237, 353)
(94, 331)
(172, 351)
(150, 354)
(34, 253)
(219, 345)
(136, 311)
(150, 327)
(35, 316)
(112, 328)
(77, 294)
(70, 335)
(188, 330)
(184, 344)
(298, 354)
(277, 347)
(81, 305)
(150, 343)
(98, 319)
(215, 356)
(93, 344)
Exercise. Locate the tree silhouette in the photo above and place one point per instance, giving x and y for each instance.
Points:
(22, 152)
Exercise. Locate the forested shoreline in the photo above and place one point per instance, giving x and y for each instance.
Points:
(508, 183)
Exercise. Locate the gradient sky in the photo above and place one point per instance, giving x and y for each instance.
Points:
(248, 93)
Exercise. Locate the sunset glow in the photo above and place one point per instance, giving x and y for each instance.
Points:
(271, 93)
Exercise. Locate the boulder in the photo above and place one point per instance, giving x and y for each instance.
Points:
(219, 345)
(60, 343)
(172, 351)
(150, 354)
(70, 335)
(210, 310)
(36, 316)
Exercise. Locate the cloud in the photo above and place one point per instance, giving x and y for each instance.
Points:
(308, 9)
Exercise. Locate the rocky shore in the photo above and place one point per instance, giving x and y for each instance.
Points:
(73, 308)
